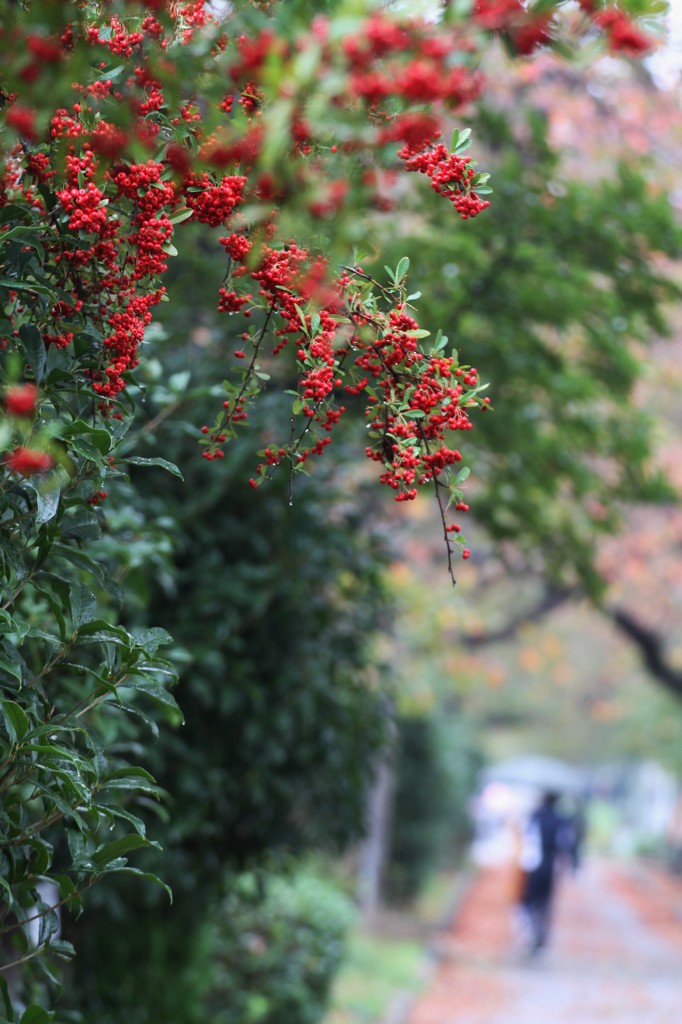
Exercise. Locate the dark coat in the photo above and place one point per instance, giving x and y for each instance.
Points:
(553, 830)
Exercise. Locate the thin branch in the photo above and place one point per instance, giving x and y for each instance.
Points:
(366, 277)
(438, 487)
(552, 599)
(442, 508)
(250, 369)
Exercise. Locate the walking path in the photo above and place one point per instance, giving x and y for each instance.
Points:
(615, 956)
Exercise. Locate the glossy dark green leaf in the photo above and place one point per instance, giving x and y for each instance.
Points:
(4, 991)
(137, 460)
(108, 852)
(12, 668)
(34, 348)
(83, 605)
(15, 718)
(35, 1014)
(151, 639)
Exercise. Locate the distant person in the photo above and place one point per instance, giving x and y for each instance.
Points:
(547, 844)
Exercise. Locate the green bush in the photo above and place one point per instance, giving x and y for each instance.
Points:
(274, 944)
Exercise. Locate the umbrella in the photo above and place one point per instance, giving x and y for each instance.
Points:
(538, 771)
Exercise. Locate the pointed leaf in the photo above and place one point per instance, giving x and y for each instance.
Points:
(117, 847)
(137, 460)
(16, 720)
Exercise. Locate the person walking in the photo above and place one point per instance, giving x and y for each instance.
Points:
(546, 843)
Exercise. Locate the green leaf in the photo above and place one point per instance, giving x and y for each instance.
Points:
(131, 785)
(89, 565)
(43, 855)
(144, 717)
(11, 668)
(462, 141)
(47, 492)
(4, 884)
(148, 877)
(35, 1014)
(97, 436)
(48, 923)
(23, 286)
(131, 772)
(10, 552)
(100, 631)
(109, 852)
(16, 721)
(61, 753)
(88, 451)
(137, 460)
(4, 990)
(15, 211)
(163, 696)
(83, 605)
(55, 607)
(180, 216)
(440, 342)
(121, 813)
(151, 639)
(402, 268)
(34, 349)
(62, 948)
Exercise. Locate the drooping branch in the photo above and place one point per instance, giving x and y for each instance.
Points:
(650, 646)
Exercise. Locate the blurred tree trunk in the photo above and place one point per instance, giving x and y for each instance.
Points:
(374, 849)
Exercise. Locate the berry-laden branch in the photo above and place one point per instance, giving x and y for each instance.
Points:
(258, 117)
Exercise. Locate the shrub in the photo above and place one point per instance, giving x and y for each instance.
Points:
(275, 944)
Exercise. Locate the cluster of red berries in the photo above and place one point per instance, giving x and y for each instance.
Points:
(421, 400)
(230, 302)
(84, 206)
(29, 461)
(451, 176)
(21, 400)
(213, 204)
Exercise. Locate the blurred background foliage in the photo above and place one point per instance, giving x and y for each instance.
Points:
(437, 761)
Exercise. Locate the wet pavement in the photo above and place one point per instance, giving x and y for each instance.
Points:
(615, 955)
